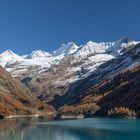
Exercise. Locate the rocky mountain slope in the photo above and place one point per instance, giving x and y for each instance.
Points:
(15, 98)
(91, 77)
(115, 92)
(48, 74)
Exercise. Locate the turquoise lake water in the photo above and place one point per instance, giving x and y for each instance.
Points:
(82, 129)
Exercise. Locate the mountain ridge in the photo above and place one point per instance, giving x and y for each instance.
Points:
(67, 76)
(58, 72)
(40, 58)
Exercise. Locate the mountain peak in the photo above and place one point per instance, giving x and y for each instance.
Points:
(71, 47)
(66, 49)
(9, 56)
(126, 39)
(90, 42)
(8, 52)
(38, 54)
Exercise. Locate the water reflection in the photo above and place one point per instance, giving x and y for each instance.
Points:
(14, 129)
(90, 129)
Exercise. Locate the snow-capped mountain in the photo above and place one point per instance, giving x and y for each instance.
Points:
(93, 52)
(114, 48)
(8, 57)
(57, 70)
(114, 84)
(66, 49)
(38, 54)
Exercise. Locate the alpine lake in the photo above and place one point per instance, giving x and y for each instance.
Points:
(76, 129)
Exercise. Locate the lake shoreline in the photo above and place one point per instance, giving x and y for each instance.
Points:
(21, 116)
(55, 116)
(50, 115)
(72, 117)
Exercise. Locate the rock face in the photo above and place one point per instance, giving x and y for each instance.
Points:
(115, 93)
(52, 74)
(15, 98)
(95, 78)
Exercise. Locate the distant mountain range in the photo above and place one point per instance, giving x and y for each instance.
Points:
(18, 65)
(75, 76)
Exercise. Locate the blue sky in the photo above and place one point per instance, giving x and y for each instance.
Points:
(27, 25)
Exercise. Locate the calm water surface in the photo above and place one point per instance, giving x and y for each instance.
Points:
(82, 129)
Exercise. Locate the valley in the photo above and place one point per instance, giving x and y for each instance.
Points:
(95, 79)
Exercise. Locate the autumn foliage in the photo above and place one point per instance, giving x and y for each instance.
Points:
(79, 109)
(122, 111)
